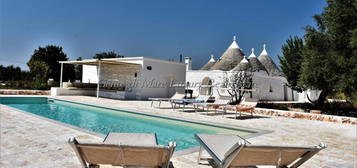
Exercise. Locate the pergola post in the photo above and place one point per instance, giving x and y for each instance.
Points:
(61, 84)
(98, 74)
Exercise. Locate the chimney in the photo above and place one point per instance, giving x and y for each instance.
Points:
(188, 62)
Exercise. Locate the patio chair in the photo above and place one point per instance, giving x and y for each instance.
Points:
(246, 106)
(220, 101)
(177, 95)
(232, 151)
(184, 102)
(123, 149)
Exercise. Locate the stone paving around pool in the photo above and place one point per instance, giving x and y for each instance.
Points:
(27, 140)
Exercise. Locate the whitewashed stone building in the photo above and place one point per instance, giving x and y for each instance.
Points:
(268, 81)
(126, 78)
(142, 77)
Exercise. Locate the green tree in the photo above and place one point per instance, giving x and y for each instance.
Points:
(353, 96)
(78, 69)
(40, 71)
(110, 54)
(290, 61)
(2, 73)
(238, 83)
(329, 55)
(340, 20)
(50, 55)
(318, 68)
(11, 73)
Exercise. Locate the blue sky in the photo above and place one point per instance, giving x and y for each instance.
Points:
(151, 28)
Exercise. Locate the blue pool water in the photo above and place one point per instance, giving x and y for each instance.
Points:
(104, 120)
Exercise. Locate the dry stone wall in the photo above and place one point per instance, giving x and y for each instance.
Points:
(24, 92)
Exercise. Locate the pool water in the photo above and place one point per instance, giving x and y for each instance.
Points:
(104, 120)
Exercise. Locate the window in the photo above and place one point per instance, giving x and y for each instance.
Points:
(149, 68)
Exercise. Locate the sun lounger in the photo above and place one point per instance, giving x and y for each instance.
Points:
(124, 149)
(174, 97)
(221, 101)
(233, 151)
(184, 102)
(246, 106)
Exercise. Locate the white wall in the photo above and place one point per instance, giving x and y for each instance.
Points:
(262, 83)
(313, 95)
(195, 77)
(271, 88)
(161, 73)
(89, 74)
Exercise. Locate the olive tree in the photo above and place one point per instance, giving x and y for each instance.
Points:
(238, 83)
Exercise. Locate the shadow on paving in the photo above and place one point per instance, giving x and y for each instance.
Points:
(246, 117)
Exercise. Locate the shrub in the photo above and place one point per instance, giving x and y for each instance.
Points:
(24, 85)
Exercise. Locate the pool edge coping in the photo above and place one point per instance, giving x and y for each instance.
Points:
(56, 122)
(256, 132)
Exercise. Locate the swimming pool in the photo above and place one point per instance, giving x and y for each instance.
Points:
(104, 120)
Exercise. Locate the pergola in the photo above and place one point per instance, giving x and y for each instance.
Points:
(96, 62)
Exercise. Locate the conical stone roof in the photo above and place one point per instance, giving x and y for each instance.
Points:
(255, 64)
(244, 65)
(269, 64)
(209, 64)
(230, 58)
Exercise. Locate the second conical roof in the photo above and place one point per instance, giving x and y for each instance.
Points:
(269, 64)
(255, 64)
(243, 65)
(209, 64)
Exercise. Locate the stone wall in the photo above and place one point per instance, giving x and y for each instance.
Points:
(55, 91)
(119, 73)
(302, 115)
(24, 92)
(308, 116)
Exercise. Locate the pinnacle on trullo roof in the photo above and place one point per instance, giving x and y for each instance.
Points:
(230, 58)
(255, 64)
(209, 64)
(234, 43)
(264, 52)
(212, 58)
(268, 63)
(252, 54)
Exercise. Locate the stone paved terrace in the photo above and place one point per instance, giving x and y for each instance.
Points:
(27, 140)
